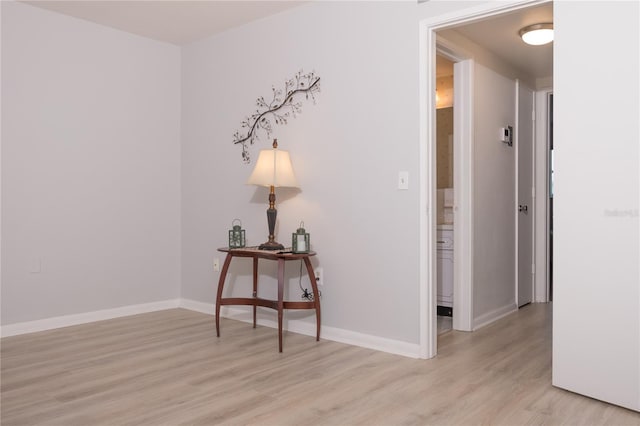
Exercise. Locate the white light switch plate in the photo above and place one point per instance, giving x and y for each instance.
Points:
(403, 180)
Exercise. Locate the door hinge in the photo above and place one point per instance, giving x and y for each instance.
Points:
(533, 268)
(533, 115)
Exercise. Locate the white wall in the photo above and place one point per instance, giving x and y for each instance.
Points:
(493, 197)
(596, 319)
(346, 150)
(90, 167)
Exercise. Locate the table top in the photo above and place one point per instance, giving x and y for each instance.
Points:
(285, 254)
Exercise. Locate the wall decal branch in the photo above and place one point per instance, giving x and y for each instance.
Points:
(282, 106)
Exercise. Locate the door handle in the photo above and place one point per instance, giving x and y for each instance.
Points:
(523, 208)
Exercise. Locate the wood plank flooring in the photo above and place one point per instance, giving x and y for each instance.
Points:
(168, 368)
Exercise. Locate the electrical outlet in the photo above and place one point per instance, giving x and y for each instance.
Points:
(319, 276)
(216, 264)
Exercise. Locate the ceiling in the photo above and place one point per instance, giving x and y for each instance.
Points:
(500, 36)
(174, 21)
(184, 21)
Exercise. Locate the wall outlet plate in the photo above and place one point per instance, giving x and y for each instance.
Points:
(319, 273)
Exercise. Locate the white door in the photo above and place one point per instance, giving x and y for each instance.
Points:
(524, 146)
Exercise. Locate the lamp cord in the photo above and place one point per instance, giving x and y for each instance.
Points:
(305, 292)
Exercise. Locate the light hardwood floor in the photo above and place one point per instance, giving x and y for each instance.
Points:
(168, 368)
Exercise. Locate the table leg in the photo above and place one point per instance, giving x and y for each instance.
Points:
(280, 300)
(255, 288)
(316, 294)
(223, 276)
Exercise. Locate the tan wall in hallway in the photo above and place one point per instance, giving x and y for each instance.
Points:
(444, 117)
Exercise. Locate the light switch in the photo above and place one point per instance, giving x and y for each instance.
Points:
(403, 180)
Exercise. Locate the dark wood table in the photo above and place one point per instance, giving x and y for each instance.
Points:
(255, 301)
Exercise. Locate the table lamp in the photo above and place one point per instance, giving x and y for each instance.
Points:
(273, 169)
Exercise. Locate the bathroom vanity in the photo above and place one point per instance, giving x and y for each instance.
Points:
(445, 267)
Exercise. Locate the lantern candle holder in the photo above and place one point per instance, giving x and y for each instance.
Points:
(236, 235)
(300, 240)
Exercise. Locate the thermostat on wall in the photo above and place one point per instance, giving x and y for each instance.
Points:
(506, 135)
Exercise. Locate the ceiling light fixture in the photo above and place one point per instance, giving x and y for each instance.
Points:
(537, 34)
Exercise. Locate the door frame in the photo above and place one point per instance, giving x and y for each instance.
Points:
(427, 167)
(533, 207)
(463, 181)
(541, 290)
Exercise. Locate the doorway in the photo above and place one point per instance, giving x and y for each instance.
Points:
(464, 197)
(444, 192)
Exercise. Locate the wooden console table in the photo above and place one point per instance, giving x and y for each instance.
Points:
(255, 301)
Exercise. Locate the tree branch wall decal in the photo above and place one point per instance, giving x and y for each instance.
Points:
(284, 104)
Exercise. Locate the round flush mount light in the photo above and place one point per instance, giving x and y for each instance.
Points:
(537, 34)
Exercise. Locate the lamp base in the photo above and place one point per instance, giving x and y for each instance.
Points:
(271, 245)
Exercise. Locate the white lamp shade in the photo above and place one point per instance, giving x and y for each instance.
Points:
(273, 168)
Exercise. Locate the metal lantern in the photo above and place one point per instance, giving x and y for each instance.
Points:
(236, 235)
(300, 240)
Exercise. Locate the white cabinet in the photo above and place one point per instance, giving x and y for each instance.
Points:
(445, 268)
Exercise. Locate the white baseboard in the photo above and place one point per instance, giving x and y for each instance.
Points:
(86, 317)
(296, 326)
(397, 347)
(203, 308)
(496, 314)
